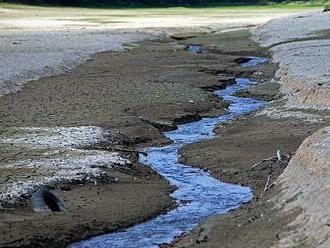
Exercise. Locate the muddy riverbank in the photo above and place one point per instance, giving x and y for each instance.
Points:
(283, 212)
(139, 93)
(245, 152)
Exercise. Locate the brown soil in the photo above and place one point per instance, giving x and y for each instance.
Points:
(90, 210)
(114, 89)
(264, 91)
(139, 92)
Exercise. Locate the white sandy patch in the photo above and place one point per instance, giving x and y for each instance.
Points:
(57, 137)
(12, 193)
(289, 28)
(304, 65)
(59, 160)
(286, 112)
(307, 181)
(26, 56)
(37, 42)
(303, 56)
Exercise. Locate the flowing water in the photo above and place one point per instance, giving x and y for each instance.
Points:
(194, 49)
(198, 195)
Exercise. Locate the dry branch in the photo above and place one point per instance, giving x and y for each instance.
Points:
(267, 183)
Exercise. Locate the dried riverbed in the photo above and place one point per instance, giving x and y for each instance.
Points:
(166, 86)
(141, 92)
(198, 195)
(288, 212)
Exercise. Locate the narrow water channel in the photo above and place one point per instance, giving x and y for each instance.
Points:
(198, 195)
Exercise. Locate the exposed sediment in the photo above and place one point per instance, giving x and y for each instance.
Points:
(39, 41)
(305, 83)
(306, 181)
(301, 51)
(48, 156)
(292, 211)
(102, 95)
(69, 124)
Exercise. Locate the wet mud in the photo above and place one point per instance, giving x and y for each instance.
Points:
(140, 92)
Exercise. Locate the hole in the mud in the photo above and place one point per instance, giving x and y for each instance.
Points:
(194, 48)
(242, 60)
(46, 201)
(52, 202)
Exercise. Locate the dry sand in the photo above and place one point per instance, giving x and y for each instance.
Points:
(37, 41)
(302, 50)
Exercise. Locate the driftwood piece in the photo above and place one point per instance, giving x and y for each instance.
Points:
(278, 154)
(264, 160)
(268, 182)
(119, 149)
(278, 157)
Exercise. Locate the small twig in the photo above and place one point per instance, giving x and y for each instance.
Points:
(264, 160)
(278, 154)
(121, 150)
(65, 69)
(132, 151)
(267, 183)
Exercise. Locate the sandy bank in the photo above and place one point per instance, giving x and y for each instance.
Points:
(27, 55)
(37, 41)
(306, 183)
(292, 211)
(302, 50)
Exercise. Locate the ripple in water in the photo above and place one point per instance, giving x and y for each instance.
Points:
(254, 61)
(198, 195)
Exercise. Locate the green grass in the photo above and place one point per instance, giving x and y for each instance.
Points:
(289, 5)
(114, 15)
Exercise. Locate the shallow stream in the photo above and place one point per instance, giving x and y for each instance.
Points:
(198, 194)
